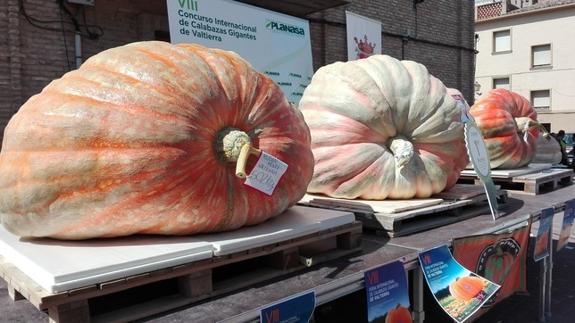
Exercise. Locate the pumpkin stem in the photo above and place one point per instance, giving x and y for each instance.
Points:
(245, 152)
(526, 123)
(402, 150)
(234, 145)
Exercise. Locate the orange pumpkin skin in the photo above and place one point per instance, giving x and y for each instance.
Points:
(399, 314)
(131, 143)
(466, 288)
(502, 115)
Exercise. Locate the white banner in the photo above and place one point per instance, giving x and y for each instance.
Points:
(363, 36)
(275, 44)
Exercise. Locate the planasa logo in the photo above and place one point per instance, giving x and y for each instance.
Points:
(277, 26)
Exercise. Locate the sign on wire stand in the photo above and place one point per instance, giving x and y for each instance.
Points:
(458, 291)
(387, 293)
(295, 309)
(567, 226)
(478, 154)
(541, 249)
(275, 44)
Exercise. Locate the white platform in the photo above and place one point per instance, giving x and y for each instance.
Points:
(295, 222)
(508, 173)
(63, 265)
(373, 206)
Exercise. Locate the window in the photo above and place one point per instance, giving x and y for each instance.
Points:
(501, 83)
(541, 55)
(502, 41)
(541, 99)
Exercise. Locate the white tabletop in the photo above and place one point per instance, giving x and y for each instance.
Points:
(63, 265)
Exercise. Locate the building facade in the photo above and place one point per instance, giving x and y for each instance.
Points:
(528, 48)
(37, 37)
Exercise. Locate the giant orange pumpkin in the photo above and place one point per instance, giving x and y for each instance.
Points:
(382, 128)
(509, 127)
(466, 288)
(399, 314)
(144, 138)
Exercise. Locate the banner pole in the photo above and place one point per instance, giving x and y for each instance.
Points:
(418, 312)
(542, 289)
(549, 275)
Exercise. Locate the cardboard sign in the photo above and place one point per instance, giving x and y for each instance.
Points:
(541, 249)
(457, 290)
(296, 309)
(478, 154)
(567, 226)
(266, 173)
(387, 292)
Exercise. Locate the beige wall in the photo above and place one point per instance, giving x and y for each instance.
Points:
(555, 27)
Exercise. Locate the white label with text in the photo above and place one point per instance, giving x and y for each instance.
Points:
(266, 173)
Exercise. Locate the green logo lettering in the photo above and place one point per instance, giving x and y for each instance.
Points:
(188, 4)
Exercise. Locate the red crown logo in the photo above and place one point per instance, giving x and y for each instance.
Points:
(363, 47)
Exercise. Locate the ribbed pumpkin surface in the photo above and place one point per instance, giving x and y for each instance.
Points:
(129, 143)
(381, 129)
(548, 151)
(502, 116)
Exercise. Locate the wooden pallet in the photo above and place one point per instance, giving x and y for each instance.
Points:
(150, 293)
(534, 183)
(461, 202)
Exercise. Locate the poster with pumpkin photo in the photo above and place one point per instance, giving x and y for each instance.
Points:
(501, 258)
(387, 294)
(459, 291)
(566, 228)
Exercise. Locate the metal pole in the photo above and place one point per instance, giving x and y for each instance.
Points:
(417, 290)
(549, 275)
(78, 48)
(542, 289)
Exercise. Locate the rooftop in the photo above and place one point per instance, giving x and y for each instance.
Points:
(490, 9)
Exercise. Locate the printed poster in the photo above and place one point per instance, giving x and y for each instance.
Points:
(275, 44)
(567, 226)
(363, 36)
(457, 290)
(387, 294)
(541, 249)
(296, 309)
(500, 258)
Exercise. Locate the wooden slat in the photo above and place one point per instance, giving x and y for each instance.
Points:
(73, 312)
(533, 183)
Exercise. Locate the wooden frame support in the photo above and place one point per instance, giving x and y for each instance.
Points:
(285, 259)
(196, 284)
(349, 240)
(72, 312)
